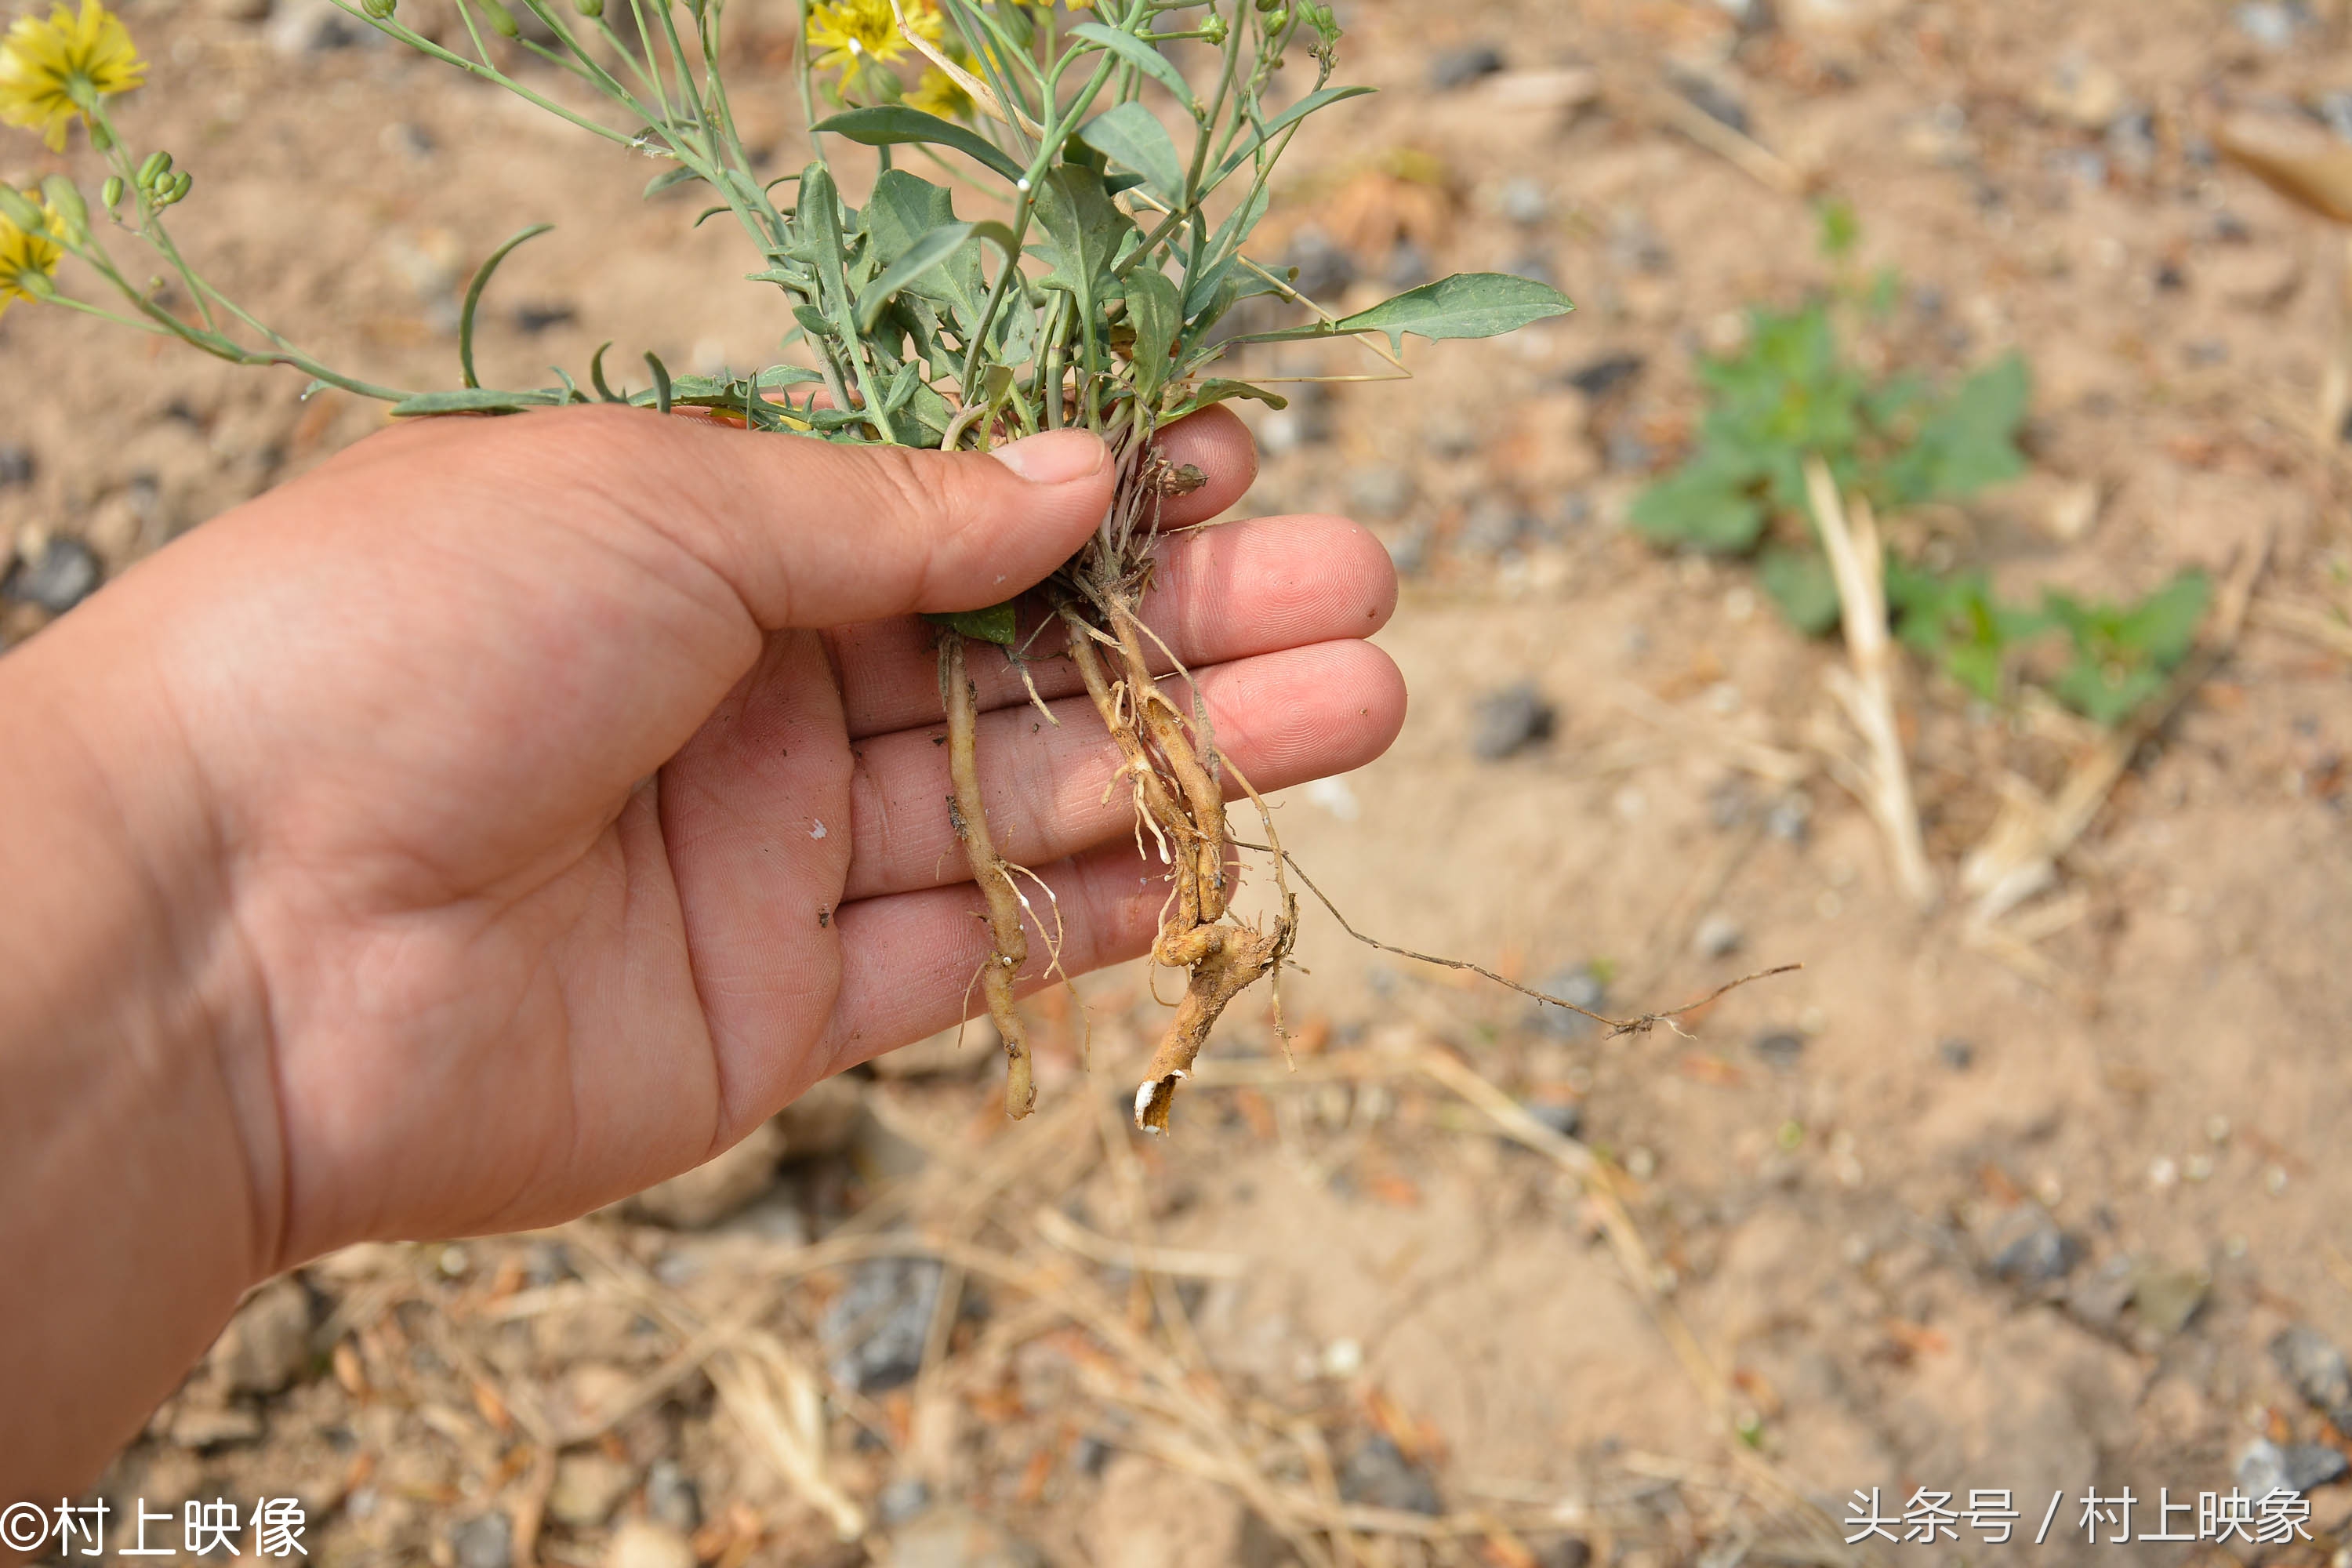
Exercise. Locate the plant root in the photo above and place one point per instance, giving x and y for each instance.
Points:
(1171, 759)
(1008, 944)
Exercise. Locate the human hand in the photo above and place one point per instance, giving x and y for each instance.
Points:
(558, 841)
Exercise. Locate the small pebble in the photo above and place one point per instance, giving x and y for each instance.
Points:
(1718, 936)
(2315, 1368)
(2025, 1247)
(62, 575)
(671, 1498)
(2268, 23)
(16, 466)
(1789, 818)
(902, 1500)
(1579, 985)
(1455, 69)
(1564, 1117)
(1958, 1055)
(1379, 1474)
(1714, 100)
(1598, 378)
(485, 1542)
(1781, 1048)
(1524, 201)
(1323, 266)
(2266, 1467)
(874, 1330)
(1511, 721)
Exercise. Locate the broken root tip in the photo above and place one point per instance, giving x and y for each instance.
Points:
(1152, 1098)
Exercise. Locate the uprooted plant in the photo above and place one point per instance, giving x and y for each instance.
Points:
(1096, 293)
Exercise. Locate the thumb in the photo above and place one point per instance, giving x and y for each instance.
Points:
(810, 533)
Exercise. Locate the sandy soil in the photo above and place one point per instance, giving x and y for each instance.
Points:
(1937, 1213)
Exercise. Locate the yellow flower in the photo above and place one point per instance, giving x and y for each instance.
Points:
(851, 30)
(51, 71)
(24, 256)
(940, 94)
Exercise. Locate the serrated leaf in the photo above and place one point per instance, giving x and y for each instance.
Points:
(892, 124)
(1084, 227)
(1131, 134)
(1969, 441)
(926, 255)
(1143, 56)
(998, 624)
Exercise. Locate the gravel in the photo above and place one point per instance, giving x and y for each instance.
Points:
(1379, 1475)
(62, 575)
(874, 1330)
(2316, 1369)
(1511, 721)
(1451, 69)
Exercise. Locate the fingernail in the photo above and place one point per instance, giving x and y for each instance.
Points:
(1055, 458)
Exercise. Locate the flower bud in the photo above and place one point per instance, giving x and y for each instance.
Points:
(157, 165)
(381, 10)
(500, 19)
(35, 284)
(18, 209)
(1213, 31)
(591, 9)
(179, 191)
(101, 140)
(73, 213)
(110, 194)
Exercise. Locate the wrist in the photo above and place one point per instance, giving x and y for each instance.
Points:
(137, 1121)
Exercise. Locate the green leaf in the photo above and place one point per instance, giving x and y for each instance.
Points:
(996, 624)
(1131, 134)
(1709, 503)
(1157, 313)
(668, 178)
(1313, 101)
(1801, 583)
(474, 299)
(1466, 305)
(473, 400)
(1144, 58)
(1969, 441)
(2122, 656)
(925, 255)
(1222, 391)
(1084, 228)
(891, 124)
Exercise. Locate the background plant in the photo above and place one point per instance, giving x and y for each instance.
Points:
(1090, 286)
(1899, 442)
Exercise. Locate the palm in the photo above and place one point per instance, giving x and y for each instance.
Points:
(581, 873)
